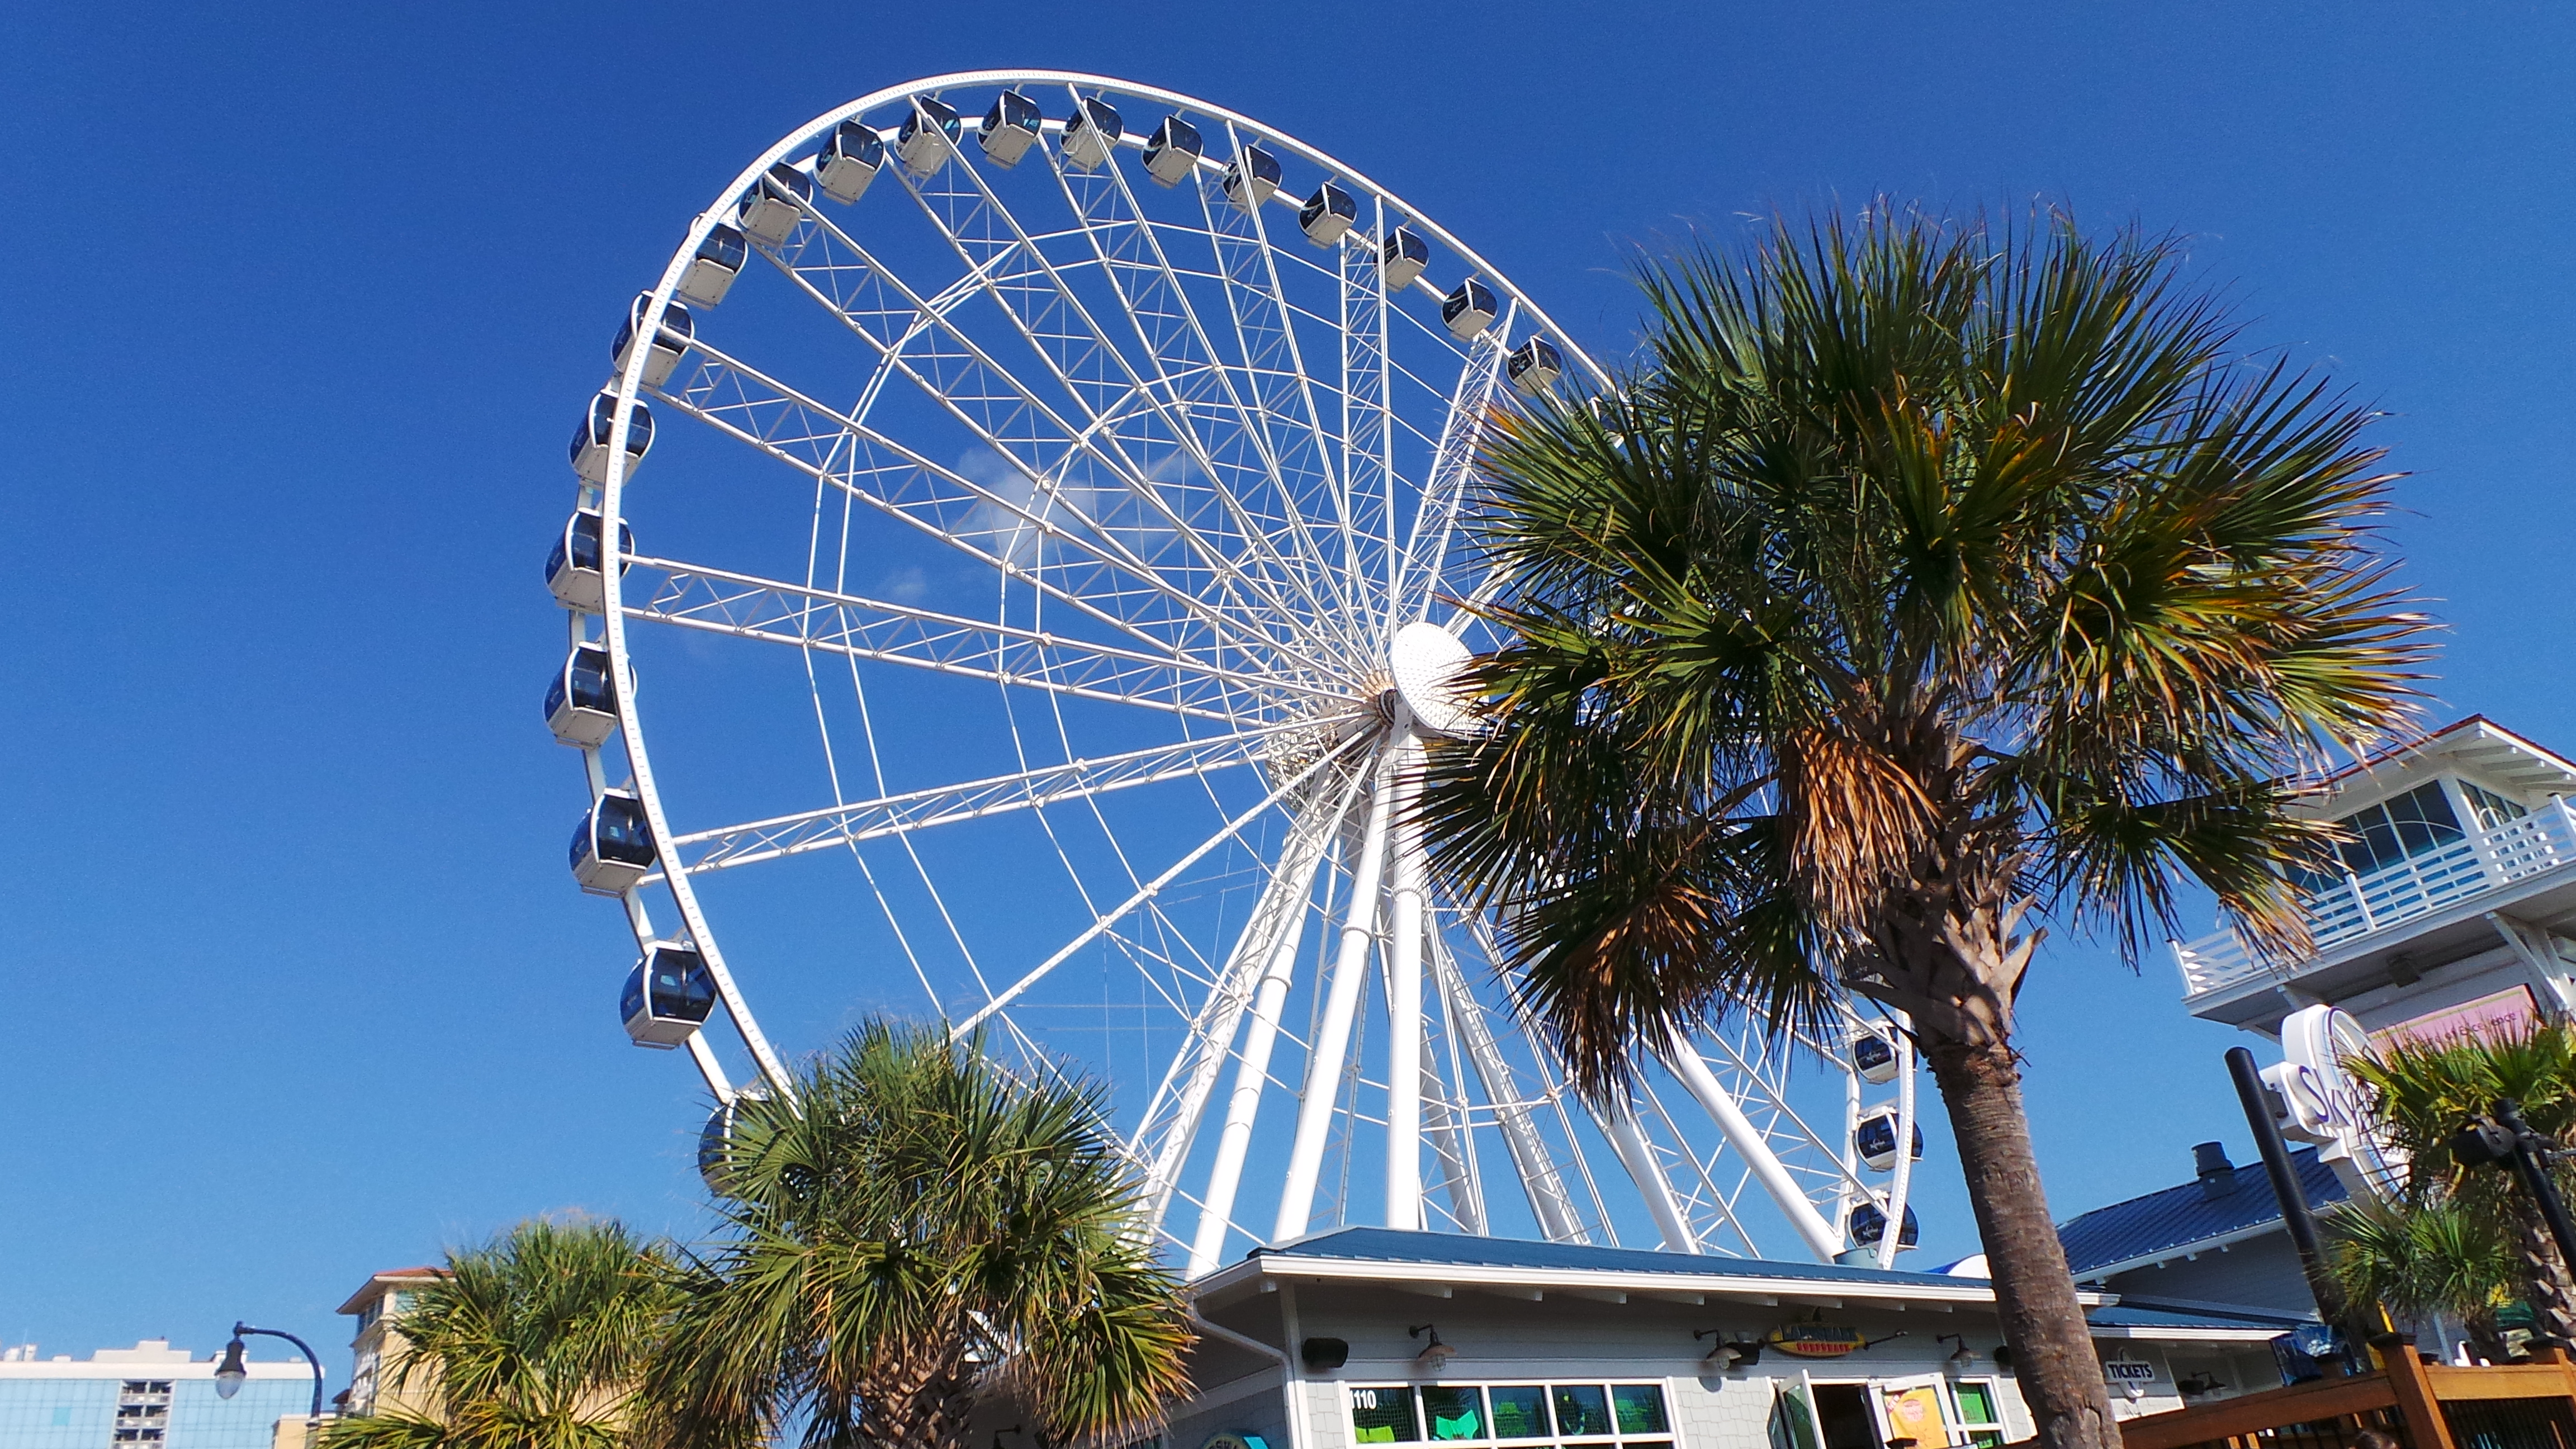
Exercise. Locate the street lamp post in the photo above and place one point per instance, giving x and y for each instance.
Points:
(229, 1375)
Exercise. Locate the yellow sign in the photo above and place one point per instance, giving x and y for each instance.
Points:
(1816, 1340)
(1915, 1414)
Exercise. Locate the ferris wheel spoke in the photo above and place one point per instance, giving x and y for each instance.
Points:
(748, 606)
(1065, 337)
(1540, 1180)
(1453, 468)
(1152, 293)
(1762, 1085)
(846, 453)
(834, 826)
(958, 375)
(1152, 888)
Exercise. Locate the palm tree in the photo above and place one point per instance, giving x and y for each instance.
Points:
(913, 1235)
(1925, 580)
(534, 1340)
(2424, 1091)
(2422, 1259)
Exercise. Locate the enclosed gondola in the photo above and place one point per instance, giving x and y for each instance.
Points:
(612, 848)
(572, 569)
(1173, 151)
(670, 342)
(580, 707)
(715, 1140)
(1874, 1057)
(1252, 177)
(1875, 1140)
(850, 159)
(1327, 215)
(1468, 310)
(668, 996)
(590, 438)
(1535, 366)
(1869, 1224)
(928, 136)
(1402, 258)
(1092, 134)
(713, 267)
(775, 203)
(1009, 129)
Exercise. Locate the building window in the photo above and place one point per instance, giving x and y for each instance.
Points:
(1524, 1416)
(2494, 811)
(2419, 821)
(1979, 1417)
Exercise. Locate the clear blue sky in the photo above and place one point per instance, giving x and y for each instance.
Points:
(296, 986)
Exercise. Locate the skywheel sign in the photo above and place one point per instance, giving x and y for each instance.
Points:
(2317, 1101)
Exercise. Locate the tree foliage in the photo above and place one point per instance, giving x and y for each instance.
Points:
(912, 1235)
(534, 1340)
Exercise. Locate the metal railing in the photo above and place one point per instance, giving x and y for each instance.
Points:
(2359, 904)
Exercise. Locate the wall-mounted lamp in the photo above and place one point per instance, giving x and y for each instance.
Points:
(1435, 1353)
(1961, 1358)
(1723, 1355)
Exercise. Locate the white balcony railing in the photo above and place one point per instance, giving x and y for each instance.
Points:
(2361, 904)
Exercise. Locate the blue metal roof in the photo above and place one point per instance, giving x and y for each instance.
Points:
(2135, 1310)
(2178, 1219)
(1391, 1245)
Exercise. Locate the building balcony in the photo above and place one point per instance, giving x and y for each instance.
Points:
(2365, 924)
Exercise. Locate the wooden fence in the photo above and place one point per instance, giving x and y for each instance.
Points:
(2420, 1405)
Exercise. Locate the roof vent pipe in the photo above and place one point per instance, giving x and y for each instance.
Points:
(2217, 1174)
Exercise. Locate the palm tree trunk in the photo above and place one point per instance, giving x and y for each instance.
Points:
(2053, 1355)
(2544, 1274)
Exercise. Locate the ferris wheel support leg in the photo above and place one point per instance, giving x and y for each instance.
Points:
(1404, 992)
(1333, 1041)
(1748, 1142)
(1252, 1070)
(1629, 1141)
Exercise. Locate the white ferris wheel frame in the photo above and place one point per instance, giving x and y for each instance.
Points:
(1392, 861)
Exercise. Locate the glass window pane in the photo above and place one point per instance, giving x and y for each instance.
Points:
(1453, 1413)
(1581, 1409)
(1384, 1416)
(1977, 1404)
(1639, 1407)
(1520, 1412)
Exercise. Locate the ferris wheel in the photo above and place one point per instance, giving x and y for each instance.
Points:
(1055, 549)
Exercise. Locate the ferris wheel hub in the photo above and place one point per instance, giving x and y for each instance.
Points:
(1428, 663)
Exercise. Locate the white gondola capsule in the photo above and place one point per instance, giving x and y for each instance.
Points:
(775, 203)
(590, 438)
(668, 996)
(1869, 1224)
(1251, 178)
(1468, 309)
(928, 137)
(612, 848)
(1173, 152)
(1874, 1057)
(670, 343)
(572, 569)
(1535, 366)
(580, 707)
(1009, 129)
(1875, 1140)
(716, 1138)
(1403, 258)
(849, 161)
(711, 272)
(1327, 215)
(1092, 134)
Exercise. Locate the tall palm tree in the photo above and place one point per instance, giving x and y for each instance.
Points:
(1925, 580)
(2424, 1091)
(914, 1235)
(534, 1340)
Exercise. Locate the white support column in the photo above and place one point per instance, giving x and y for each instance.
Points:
(1404, 990)
(1252, 1070)
(1619, 1124)
(1820, 1236)
(1333, 1041)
